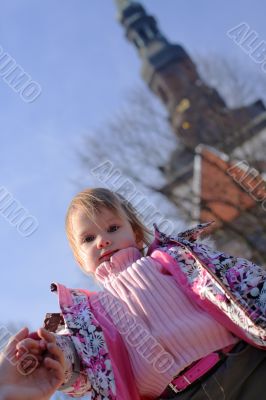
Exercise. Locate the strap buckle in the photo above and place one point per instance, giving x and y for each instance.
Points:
(197, 370)
(174, 388)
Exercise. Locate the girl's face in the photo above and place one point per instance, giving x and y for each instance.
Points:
(97, 241)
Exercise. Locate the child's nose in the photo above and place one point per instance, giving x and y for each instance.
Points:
(103, 242)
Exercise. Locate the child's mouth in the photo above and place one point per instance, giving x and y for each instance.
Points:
(106, 256)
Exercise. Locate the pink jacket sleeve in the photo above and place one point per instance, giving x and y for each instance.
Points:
(88, 337)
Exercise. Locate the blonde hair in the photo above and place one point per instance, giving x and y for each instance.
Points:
(92, 201)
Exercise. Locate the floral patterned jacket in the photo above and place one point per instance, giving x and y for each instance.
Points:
(97, 360)
(231, 289)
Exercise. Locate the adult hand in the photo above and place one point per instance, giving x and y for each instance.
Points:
(42, 382)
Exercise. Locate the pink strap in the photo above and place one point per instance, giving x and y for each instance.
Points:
(199, 369)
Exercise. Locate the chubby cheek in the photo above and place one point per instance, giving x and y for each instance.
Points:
(89, 263)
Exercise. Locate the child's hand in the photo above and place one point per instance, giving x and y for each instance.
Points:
(42, 382)
(33, 344)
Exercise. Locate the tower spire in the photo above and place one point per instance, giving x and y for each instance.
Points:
(141, 28)
(121, 4)
(197, 112)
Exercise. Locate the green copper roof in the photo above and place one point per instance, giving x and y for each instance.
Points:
(122, 4)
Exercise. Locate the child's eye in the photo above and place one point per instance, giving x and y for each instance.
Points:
(89, 238)
(113, 228)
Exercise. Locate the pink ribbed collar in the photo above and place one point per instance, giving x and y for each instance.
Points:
(118, 263)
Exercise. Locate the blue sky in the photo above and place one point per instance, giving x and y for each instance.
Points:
(77, 52)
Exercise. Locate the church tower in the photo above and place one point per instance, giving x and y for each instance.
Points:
(197, 112)
(212, 135)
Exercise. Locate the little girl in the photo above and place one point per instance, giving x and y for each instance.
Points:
(174, 324)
